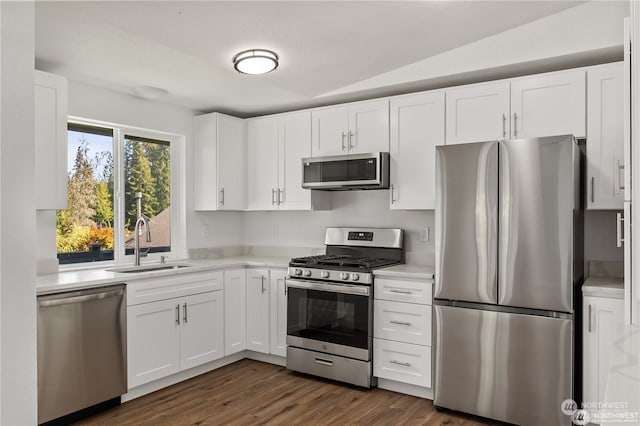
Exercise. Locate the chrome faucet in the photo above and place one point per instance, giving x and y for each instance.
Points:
(142, 220)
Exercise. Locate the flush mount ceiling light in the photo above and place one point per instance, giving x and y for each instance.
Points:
(149, 92)
(255, 61)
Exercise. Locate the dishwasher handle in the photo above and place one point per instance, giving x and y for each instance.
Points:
(80, 298)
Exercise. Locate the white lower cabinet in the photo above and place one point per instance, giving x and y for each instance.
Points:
(402, 362)
(266, 311)
(601, 317)
(402, 331)
(235, 311)
(170, 335)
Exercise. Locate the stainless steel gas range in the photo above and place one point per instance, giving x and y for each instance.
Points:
(330, 303)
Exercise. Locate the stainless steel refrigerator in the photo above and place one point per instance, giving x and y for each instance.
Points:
(508, 262)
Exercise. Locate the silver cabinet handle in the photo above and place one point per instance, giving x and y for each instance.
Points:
(393, 290)
(184, 315)
(404, 364)
(324, 362)
(515, 124)
(593, 189)
(504, 126)
(262, 282)
(177, 314)
(222, 197)
(393, 189)
(273, 197)
(619, 237)
(589, 318)
(344, 135)
(280, 195)
(351, 137)
(400, 322)
(620, 178)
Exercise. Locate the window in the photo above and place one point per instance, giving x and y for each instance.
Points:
(106, 167)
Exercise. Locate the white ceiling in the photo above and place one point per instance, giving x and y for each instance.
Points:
(186, 47)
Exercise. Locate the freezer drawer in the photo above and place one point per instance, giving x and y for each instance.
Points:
(511, 367)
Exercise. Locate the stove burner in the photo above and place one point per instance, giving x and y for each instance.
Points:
(342, 261)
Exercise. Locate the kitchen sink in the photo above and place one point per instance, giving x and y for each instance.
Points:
(147, 268)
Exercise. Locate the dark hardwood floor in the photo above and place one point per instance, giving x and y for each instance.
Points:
(251, 392)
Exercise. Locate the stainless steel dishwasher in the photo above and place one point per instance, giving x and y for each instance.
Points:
(81, 350)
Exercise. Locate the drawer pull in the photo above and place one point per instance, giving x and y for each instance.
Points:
(400, 322)
(404, 364)
(393, 290)
(324, 362)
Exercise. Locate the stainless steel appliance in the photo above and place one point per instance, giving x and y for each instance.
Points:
(508, 260)
(330, 303)
(81, 350)
(342, 172)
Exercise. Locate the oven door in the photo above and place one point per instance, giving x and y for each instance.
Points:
(332, 318)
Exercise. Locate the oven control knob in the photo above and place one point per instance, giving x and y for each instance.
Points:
(298, 271)
(355, 277)
(344, 276)
(324, 274)
(307, 273)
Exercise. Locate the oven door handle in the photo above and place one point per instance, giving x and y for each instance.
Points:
(359, 290)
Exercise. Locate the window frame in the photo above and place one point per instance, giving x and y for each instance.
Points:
(178, 199)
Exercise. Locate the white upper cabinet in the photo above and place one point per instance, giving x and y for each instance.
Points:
(605, 137)
(219, 162)
(480, 112)
(50, 141)
(417, 126)
(262, 190)
(277, 145)
(549, 104)
(359, 127)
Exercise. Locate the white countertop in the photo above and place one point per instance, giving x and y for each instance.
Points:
(604, 287)
(622, 395)
(86, 278)
(406, 271)
(95, 277)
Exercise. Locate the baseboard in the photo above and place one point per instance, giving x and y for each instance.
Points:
(271, 359)
(405, 388)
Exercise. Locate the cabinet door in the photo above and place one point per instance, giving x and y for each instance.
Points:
(258, 310)
(330, 128)
(153, 341)
(201, 335)
(369, 126)
(547, 105)
(278, 320)
(294, 144)
(417, 126)
(232, 154)
(263, 163)
(235, 322)
(205, 176)
(601, 316)
(50, 141)
(478, 113)
(605, 137)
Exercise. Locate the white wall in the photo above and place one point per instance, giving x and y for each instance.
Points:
(18, 394)
(350, 208)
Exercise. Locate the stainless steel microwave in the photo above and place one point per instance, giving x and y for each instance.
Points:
(343, 172)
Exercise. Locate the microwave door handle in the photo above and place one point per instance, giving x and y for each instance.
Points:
(332, 288)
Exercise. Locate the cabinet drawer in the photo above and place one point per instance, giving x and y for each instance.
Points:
(402, 362)
(403, 291)
(402, 322)
(168, 287)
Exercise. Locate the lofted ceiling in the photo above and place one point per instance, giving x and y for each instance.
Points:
(186, 47)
